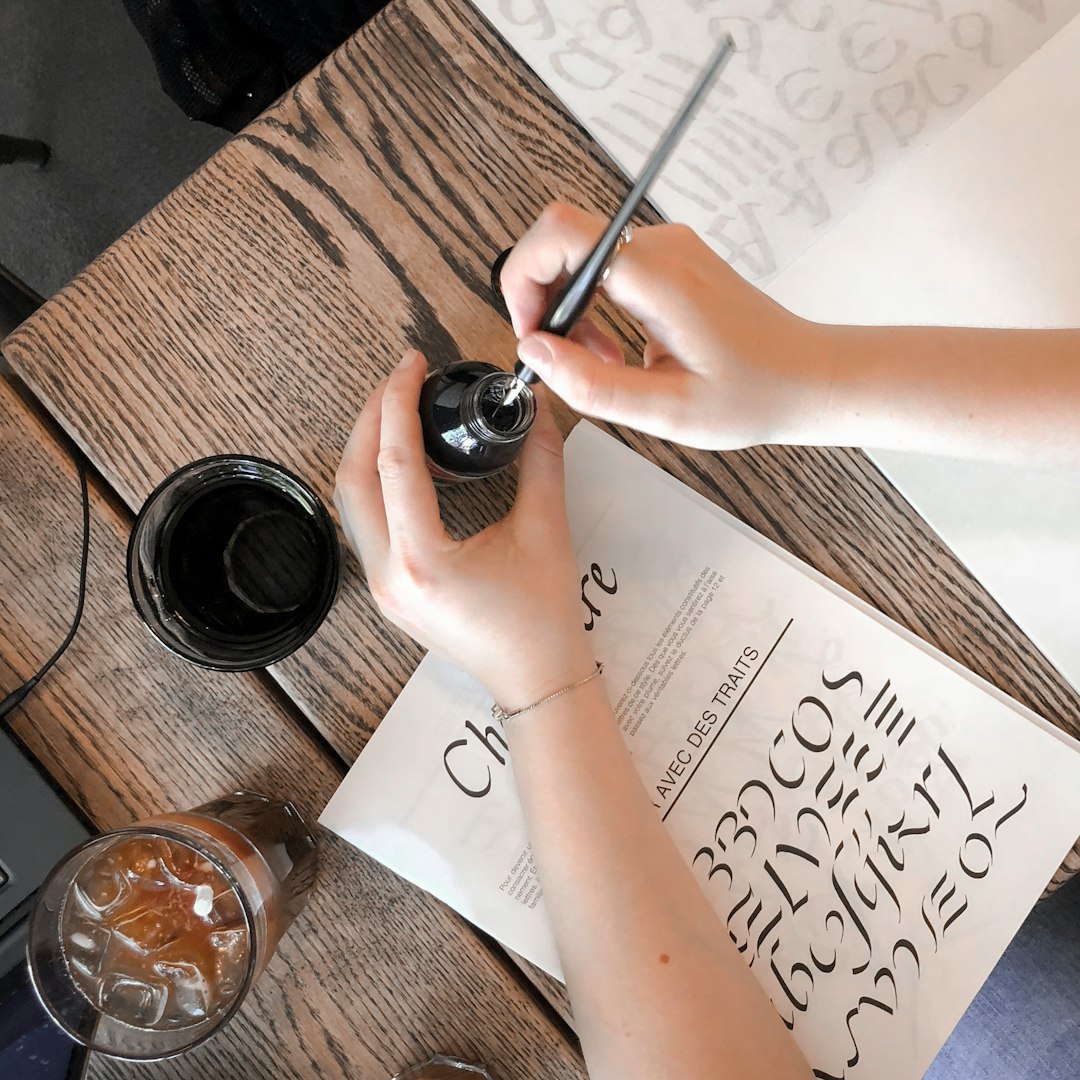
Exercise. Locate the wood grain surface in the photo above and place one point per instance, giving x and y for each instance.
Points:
(374, 974)
(256, 308)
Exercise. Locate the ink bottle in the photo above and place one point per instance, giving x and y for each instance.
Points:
(471, 429)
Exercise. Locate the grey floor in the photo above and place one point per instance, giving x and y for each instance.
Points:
(1025, 1022)
(74, 74)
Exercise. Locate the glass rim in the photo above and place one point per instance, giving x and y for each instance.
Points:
(284, 644)
(526, 402)
(230, 1010)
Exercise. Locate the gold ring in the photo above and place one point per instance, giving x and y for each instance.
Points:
(626, 234)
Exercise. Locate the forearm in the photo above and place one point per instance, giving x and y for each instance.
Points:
(657, 987)
(1010, 395)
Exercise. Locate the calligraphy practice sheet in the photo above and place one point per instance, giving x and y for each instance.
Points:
(821, 100)
(870, 822)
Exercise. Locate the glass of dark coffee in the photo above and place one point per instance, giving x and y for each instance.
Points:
(233, 562)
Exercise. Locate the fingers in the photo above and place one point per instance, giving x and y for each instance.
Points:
(648, 278)
(411, 505)
(358, 491)
(657, 277)
(557, 243)
(652, 401)
(540, 483)
(587, 334)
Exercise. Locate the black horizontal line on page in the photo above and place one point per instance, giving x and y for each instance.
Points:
(720, 729)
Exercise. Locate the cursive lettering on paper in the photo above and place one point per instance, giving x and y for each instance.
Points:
(862, 886)
(592, 584)
(852, 86)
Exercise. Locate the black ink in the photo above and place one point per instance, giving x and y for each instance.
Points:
(484, 738)
(975, 810)
(814, 747)
(1015, 810)
(473, 793)
(596, 577)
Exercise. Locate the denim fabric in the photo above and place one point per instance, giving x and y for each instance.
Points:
(1025, 1022)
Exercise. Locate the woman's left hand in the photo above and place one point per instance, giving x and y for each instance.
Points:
(501, 604)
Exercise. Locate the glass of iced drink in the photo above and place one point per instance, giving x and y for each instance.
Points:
(145, 941)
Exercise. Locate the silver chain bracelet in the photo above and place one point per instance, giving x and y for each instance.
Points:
(500, 714)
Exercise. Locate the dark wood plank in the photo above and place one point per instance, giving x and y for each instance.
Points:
(374, 974)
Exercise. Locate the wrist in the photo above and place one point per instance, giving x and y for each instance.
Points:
(812, 373)
(524, 680)
(505, 716)
(863, 397)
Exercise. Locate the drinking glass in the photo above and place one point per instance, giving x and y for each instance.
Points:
(145, 941)
(233, 562)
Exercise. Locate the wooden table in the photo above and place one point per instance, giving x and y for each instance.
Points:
(253, 311)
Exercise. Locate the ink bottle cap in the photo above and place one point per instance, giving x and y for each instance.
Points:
(470, 429)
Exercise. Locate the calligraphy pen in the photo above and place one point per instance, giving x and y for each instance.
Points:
(576, 295)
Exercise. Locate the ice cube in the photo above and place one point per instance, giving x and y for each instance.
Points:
(141, 859)
(227, 910)
(148, 928)
(189, 991)
(133, 1000)
(88, 944)
(230, 954)
(230, 949)
(178, 861)
(100, 888)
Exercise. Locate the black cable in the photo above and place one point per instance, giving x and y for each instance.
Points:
(16, 697)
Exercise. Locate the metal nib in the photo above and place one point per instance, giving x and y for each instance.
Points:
(513, 392)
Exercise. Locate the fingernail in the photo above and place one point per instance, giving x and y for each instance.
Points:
(407, 360)
(534, 352)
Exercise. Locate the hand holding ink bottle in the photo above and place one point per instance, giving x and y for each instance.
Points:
(474, 415)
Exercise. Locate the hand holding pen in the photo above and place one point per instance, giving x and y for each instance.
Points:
(724, 367)
(474, 417)
(577, 293)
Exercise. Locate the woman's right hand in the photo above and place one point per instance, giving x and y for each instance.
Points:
(724, 366)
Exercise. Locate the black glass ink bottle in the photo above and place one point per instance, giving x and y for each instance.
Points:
(471, 429)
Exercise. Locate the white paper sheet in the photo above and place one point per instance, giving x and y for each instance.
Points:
(871, 822)
(823, 98)
(982, 230)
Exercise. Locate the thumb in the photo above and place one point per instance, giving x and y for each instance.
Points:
(540, 486)
(622, 394)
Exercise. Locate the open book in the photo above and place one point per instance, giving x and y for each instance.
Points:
(871, 822)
